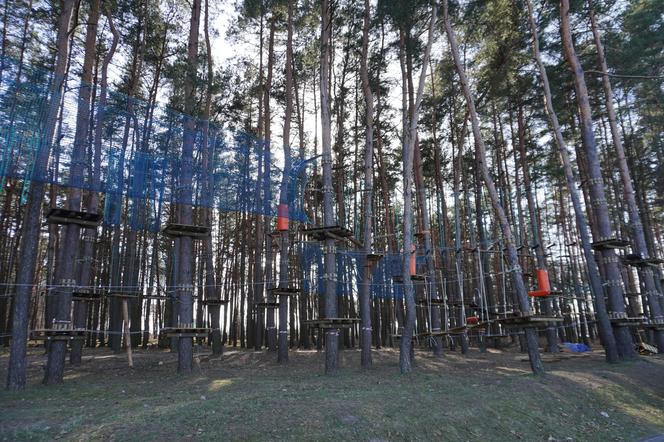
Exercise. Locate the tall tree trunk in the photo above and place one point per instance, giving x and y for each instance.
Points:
(331, 335)
(267, 133)
(81, 139)
(65, 277)
(211, 289)
(185, 215)
(602, 225)
(520, 288)
(535, 228)
(365, 293)
(29, 246)
(640, 246)
(406, 346)
(282, 355)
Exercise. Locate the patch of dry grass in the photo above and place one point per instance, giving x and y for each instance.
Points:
(245, 395)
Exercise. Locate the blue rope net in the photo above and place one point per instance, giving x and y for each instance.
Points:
(141, 155)
(349, 272)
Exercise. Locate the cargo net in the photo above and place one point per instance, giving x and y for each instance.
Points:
(386, 282)
(136, 164)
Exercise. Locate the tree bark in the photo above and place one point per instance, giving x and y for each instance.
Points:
(282, 354)
(365, 293)
(602, 226)
(80, 141)
(410, 134)
(185, 216)
(29, 245)
(639, 247)
(330, 271)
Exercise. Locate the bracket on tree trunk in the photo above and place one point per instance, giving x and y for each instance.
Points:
(174, 230)
(610, 243)
(66, 216)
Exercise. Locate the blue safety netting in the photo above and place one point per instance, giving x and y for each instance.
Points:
(349, 272)
(140, 169)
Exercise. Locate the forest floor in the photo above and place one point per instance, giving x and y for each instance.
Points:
(246, 395)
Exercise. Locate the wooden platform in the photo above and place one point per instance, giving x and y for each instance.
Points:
(415, 278)
(124, 294)
(186, 332)
(65, 216)
(633, 321)
(433, 334)
(610, 243)
(653, 326)
(174, 230)
(58, 334)
(89, 295)
(373, 259)
(283, 291)
(267, 305)
(328, 323)
(398, 337)
(214, 302)
(436, 301)
(635, 260)
(330, 232)
(527, 321)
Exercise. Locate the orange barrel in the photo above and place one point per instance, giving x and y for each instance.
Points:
(413, 262)
(282, 217)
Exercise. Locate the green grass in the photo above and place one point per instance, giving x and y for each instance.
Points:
(247, 396)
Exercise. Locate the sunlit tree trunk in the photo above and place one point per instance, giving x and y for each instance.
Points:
(410, 134)
(365, 294)
(512, 258)
(29, 246)
(185, 215)
(604, 323)
(640, 247)
(602, 221)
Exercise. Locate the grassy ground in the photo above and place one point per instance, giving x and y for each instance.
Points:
(247, 396)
